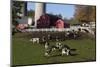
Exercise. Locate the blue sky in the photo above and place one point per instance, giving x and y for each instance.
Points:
(65, 10)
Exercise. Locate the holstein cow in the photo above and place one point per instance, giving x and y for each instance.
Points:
(35, 40)
(65, 50)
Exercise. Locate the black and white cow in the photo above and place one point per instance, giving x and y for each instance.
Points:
(35, 40)
(65, 50)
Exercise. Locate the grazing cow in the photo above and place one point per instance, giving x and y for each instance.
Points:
(59, 45)
(46, 45)
(67, 34)
(43, 40)
(65, 51)
(72, 35)
(35, 40)
(47, 50)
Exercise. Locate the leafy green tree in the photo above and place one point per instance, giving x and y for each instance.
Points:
(85, 13)
(93, 16)
(31, 13)
(16, 9)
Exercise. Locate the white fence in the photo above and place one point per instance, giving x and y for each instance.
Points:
(63, 29)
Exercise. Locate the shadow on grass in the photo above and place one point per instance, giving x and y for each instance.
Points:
(72, 53)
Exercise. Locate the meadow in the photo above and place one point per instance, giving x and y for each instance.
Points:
(25, 52)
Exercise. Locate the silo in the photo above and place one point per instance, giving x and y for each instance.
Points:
(39, 10)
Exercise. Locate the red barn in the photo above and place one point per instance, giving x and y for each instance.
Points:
(48, 21)
(43, 22)
(60, 23)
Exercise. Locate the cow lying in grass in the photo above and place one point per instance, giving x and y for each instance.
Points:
(64, 49)
(35, 40)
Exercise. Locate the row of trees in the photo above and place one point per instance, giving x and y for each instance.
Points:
(85, 13)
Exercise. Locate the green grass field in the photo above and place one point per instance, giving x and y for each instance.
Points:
(25, 52)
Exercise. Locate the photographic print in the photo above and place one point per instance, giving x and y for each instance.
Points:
(52, 33)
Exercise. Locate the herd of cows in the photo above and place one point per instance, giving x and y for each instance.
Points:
(46, 37)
